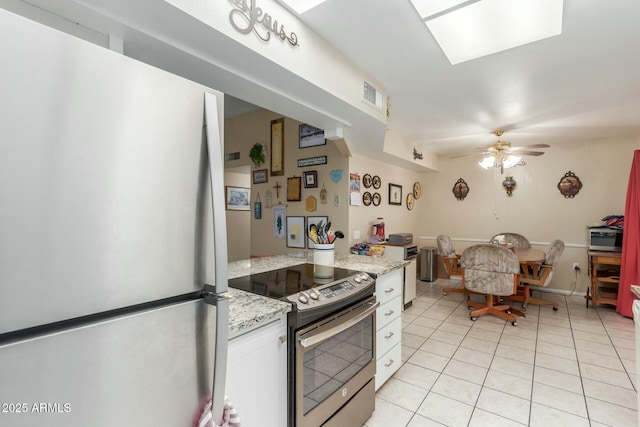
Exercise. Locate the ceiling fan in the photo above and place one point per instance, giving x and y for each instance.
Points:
(503, 155)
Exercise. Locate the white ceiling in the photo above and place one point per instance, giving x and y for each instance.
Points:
(582, 84)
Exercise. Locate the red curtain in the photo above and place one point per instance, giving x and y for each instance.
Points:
(630, 269)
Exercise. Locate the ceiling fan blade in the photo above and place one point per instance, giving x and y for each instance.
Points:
(525, 147)
(531, 153)
(470, 154)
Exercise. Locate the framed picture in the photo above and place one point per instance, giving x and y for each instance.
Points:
(294, 189)
(310, 136)
(277, 147)
(260, 176)
(314, 220)
(395, 194)
(238, 198)
(295, 232)
(310, 179)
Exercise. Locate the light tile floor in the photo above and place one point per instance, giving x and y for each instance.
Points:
(572, 367)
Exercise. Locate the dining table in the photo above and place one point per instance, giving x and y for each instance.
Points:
(530, 261)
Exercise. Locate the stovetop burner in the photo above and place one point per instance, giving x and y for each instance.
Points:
(287, 281)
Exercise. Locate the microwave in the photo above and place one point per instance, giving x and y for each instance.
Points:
(605, 239)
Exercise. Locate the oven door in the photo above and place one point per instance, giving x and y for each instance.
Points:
(335, 359)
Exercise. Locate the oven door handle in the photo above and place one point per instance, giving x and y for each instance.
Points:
(325, 335)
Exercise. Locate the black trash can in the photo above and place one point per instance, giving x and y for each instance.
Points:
(428, 264)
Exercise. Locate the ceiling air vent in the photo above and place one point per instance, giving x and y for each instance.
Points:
(231, 156)
(372, 96)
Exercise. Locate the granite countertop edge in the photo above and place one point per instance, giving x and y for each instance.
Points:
(248, 311)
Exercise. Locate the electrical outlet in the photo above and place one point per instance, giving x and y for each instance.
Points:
(576, 266)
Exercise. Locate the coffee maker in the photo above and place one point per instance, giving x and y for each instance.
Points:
(378, 229)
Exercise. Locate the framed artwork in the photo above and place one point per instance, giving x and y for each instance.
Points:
(376, 182)
(367, 181)
(260, 176)
(277, 147)
(377, 198)
(309, 136)
(395, 194)
(237, 198)
(417, 190)
(310, 179)
(314, 220)
(460, 189)
(294, 189)
(367, 198)
(410, 201)
(295, 232)
(279, 218)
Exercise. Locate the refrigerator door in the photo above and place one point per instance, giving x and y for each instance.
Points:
(150, 369)
(104, 179)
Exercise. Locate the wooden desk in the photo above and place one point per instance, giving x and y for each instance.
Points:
(604, 269)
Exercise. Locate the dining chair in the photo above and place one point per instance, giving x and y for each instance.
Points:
(539, 275)
(493, 271)
(517, 240)
(450, 260)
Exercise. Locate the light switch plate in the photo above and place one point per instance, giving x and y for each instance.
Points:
(356, 234)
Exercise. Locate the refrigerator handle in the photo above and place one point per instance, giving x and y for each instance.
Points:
(220, 360)
(214, 149)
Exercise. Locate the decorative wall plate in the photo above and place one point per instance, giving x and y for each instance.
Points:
(367, 180)
(460, 189)
(376, 181)
(377, 198)
(323, 195)
(569, 185)
(310, 204)
(367, 198)
(417, 190)
(410, 201)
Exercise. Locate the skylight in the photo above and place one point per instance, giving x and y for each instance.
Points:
(467, 30)
(301, 6)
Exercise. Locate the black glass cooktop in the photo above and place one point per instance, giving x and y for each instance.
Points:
(291, 280)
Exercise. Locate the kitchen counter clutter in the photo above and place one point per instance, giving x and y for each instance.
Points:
(248, 311)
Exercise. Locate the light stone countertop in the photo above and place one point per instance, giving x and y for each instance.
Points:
(248, 311)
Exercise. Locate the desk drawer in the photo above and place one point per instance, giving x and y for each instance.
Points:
(606, 260)
(389, 336)
(388, 312)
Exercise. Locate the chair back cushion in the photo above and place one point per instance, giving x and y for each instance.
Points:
(518, 240)
(550, 261)
(555, 250)
(489, 269)
(445, 246)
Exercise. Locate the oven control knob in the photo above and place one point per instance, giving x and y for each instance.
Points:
(357, 278)
(314, 294)
(303, 298)
(365, 277)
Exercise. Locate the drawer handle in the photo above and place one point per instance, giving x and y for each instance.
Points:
(389, 335)
(389, 363)
(389, 313)
(388, 291)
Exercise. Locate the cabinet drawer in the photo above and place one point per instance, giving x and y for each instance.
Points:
(388, 364)
(389, 286)
(607, 260)
(389, 336)
(388, 312)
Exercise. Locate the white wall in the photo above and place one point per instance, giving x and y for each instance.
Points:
(536, 209)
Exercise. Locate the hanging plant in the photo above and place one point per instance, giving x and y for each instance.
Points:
(256, 154)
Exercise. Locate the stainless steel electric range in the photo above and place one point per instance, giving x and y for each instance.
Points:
(331, 341)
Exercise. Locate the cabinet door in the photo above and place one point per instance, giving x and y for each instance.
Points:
(257, 375)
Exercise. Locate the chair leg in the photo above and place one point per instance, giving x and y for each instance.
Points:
(490, 308)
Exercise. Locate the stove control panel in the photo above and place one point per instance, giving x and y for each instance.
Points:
(325, 294)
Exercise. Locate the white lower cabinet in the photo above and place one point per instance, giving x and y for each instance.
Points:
(388, 326)
(257, 375)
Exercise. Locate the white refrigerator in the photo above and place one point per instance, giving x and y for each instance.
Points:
(113, 263)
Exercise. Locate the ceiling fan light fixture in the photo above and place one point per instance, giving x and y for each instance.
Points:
(488, 162)
(511, 161)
